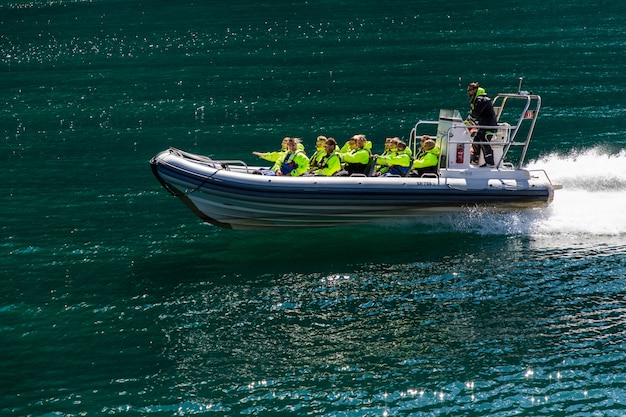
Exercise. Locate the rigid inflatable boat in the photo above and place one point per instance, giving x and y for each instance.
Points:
(227, 193)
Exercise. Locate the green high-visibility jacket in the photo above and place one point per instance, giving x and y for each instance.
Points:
(430, 158)
(316, 158)
(330, 164)
(299, 158)
(400, 159)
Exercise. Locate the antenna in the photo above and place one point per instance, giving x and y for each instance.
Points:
(519, 87)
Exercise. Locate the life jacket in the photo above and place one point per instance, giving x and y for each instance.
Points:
(357, 168)
(288, 164)
(427, 163)
(324, 161)
(315, 159)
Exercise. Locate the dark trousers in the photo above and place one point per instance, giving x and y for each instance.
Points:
(481, 144)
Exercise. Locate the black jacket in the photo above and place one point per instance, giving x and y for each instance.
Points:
(482, 111)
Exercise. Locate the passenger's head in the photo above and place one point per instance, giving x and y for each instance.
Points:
(283, 145)
(321, 141)
(360, 141)
(330, 144)
(292, 144)
(429, 144)
(401, 146)
(353, 142)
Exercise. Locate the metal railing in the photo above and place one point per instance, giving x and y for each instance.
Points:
(527, 111)
(208, 161)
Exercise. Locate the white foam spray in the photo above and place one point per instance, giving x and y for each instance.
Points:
(592, 202)
(593, 198)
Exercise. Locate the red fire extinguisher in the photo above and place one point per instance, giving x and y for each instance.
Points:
(460, 153)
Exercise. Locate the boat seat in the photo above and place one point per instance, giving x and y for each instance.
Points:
(369, 169)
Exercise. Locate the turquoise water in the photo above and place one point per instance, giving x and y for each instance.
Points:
(116, 299)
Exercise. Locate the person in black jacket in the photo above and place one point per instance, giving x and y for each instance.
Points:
(483, 114)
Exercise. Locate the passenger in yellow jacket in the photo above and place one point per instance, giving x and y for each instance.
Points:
(348, 146)
(391, 150)
(275, 156)
(389, 145)
(320, 152)
(294, 162)
(356, 161)
(330, 163)
(352, 143)
(398, 162)
(428, 161)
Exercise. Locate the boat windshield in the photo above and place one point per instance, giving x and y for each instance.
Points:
(453, 115)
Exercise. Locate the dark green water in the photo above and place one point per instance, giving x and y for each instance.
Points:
(116, 300)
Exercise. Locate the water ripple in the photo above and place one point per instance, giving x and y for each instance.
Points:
(441, 342)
